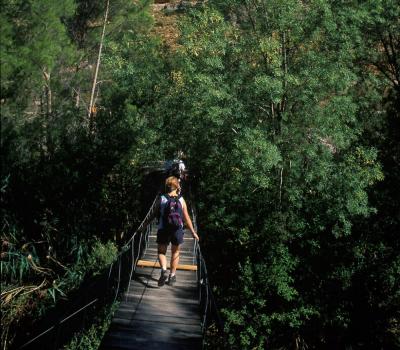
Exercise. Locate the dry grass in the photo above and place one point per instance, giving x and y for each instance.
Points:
(166, 14)
(165, 23)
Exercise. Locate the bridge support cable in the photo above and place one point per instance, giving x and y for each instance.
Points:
(97, 290)
(207, 287)
(137, 255)
(119, 279)
(131, 273)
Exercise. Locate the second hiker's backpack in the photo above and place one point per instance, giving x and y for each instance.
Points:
(173, 212)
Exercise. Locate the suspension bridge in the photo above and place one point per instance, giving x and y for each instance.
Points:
(148, 316)
(152, 317)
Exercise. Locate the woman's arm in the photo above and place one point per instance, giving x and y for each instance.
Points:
(188, 221)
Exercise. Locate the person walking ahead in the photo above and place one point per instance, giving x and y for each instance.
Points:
(172, 210)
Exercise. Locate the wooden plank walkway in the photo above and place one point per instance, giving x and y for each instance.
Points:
(158, 318)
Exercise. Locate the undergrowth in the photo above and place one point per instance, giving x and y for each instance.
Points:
(21, 302)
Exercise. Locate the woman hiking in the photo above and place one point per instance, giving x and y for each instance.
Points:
(172, 212)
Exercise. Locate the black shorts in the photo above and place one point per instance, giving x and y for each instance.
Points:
(166, 237)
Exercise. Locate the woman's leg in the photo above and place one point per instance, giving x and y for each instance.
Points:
(175, 249)
(162, 250)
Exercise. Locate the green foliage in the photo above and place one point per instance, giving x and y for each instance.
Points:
(35, 42)
(271, 92)
(21, 301)
(102, 256)
(288, 115)
(70, 195)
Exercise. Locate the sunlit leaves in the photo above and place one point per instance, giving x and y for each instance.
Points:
(282, 169)
(255, 157)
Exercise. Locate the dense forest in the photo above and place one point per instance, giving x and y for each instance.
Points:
(288, 114)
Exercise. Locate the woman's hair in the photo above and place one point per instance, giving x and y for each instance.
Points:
(171, 183)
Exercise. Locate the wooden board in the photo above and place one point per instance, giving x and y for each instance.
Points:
(145, 263)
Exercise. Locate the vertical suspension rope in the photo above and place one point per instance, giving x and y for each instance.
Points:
(146, 238)
(200, 277)
(109, 273)
(140, 247)
(119, 279)
(150, 227)
(130, 275)
(206, 303)
(194, 249)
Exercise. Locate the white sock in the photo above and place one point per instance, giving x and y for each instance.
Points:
(172, 275)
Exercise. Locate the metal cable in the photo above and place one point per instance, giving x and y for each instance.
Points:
(37, 337)
(206, 307)
(140, 247)
(119, 280)
(109, 273)
(81, 309)
(144, 220)
(148, 229)
(130, 275)
(132, 242)
(59, 323)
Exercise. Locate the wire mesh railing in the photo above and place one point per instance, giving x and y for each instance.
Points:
(103, 289)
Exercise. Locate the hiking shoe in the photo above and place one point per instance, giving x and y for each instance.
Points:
(171, 280)
(163, 278)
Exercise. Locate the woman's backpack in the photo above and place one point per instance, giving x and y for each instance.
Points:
(173, 213)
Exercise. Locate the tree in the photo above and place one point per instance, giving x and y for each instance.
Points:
(280, 166)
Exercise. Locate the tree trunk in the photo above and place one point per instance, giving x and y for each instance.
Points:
(90, 110)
